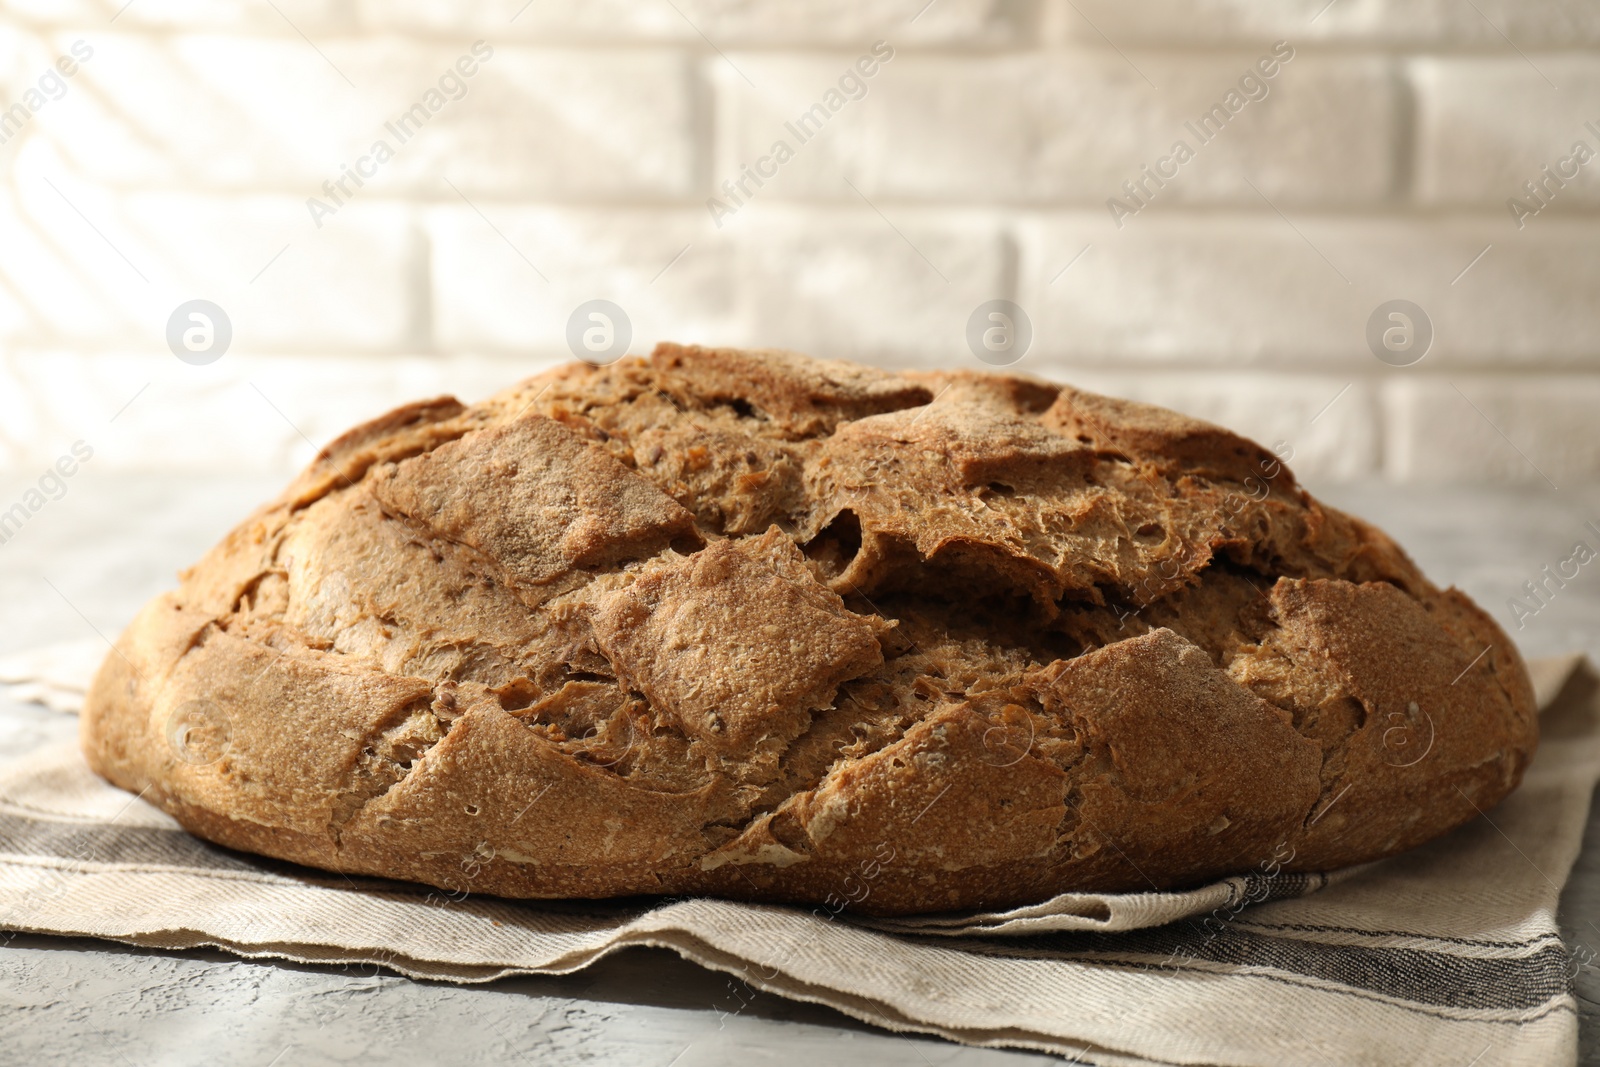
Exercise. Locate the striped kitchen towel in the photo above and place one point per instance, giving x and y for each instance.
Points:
(1448, 954)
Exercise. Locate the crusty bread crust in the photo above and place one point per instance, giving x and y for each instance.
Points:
(747, 624)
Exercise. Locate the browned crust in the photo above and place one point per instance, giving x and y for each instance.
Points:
(748, 624)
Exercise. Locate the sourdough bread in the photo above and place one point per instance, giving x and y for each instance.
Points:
(747, 624)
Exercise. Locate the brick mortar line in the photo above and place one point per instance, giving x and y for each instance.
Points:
(828, 50)
(1384, 210)
(1291, 368)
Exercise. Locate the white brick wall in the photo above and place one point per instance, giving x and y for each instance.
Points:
(577, 161)
(1070, 125)
(189, 111)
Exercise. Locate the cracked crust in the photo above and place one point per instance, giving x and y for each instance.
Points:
(753, 625)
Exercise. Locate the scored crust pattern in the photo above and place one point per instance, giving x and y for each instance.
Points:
(748, 624)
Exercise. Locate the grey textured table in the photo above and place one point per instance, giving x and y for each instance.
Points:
(90, 559)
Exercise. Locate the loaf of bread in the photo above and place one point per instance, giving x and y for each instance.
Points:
(747, 624)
